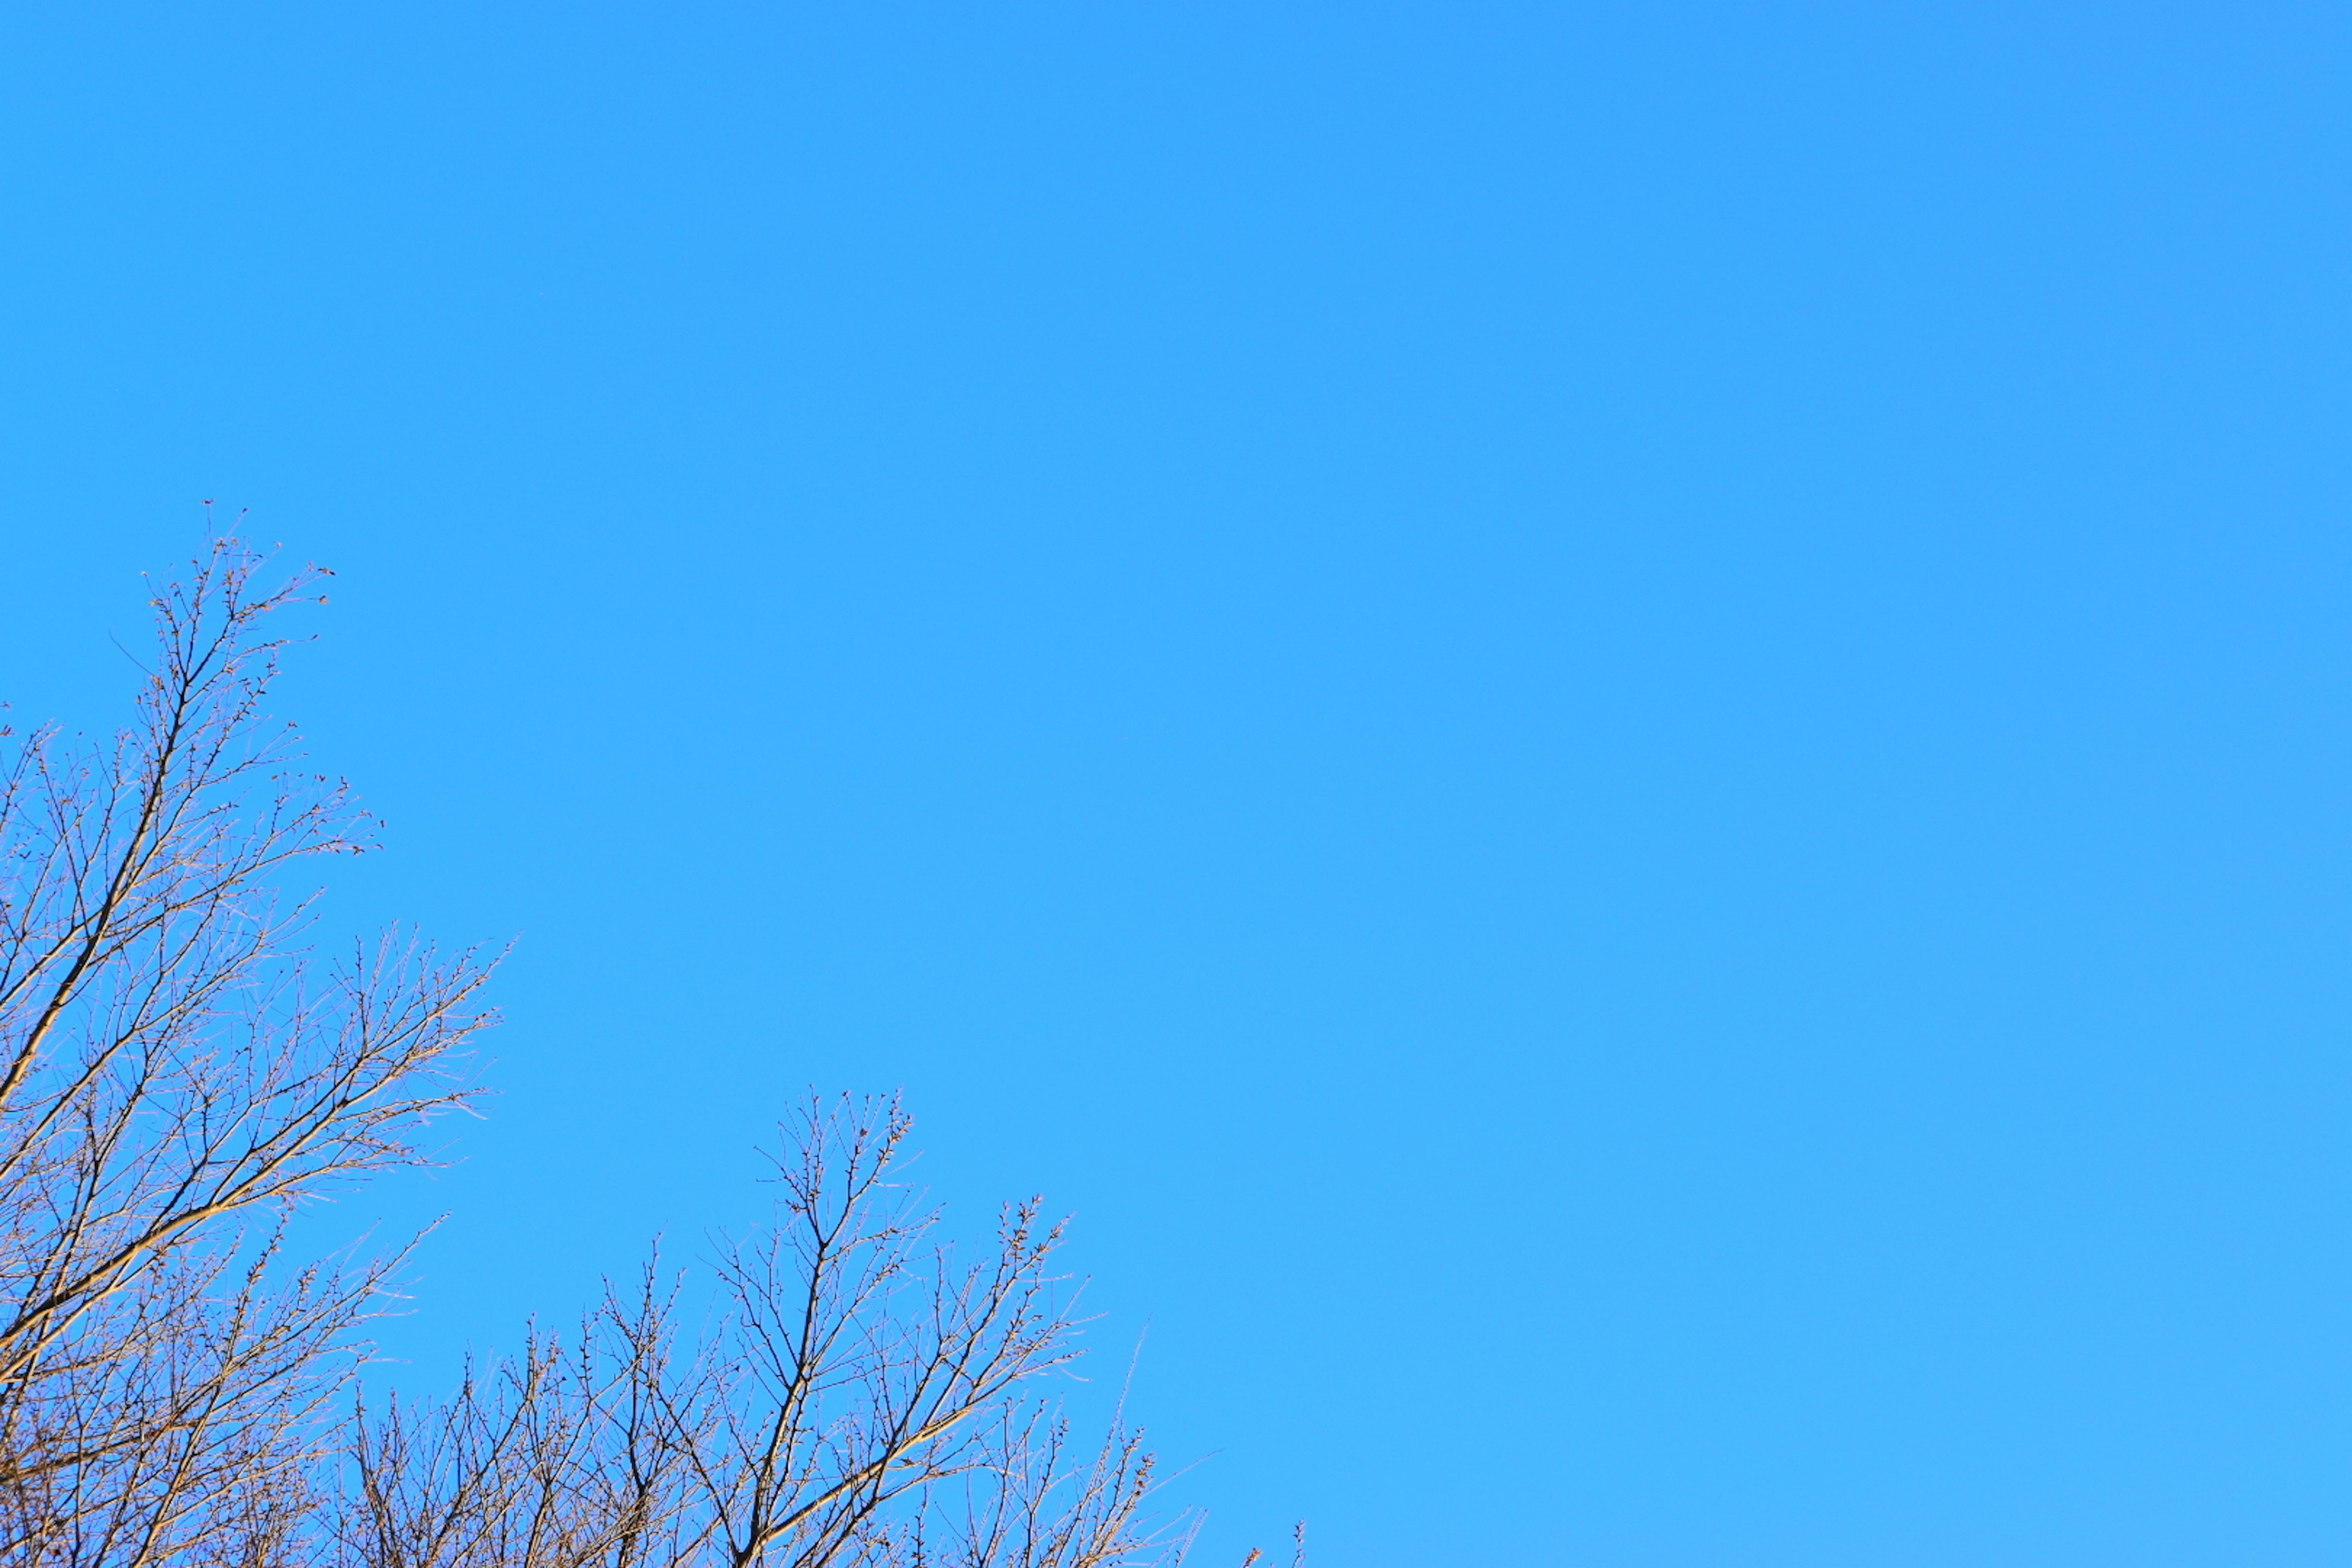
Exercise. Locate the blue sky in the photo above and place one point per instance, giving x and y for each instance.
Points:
(1618, 732)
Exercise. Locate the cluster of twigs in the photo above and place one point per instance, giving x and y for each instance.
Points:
(178, 1074)
(862, 1398)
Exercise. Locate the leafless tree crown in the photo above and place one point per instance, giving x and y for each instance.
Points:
(179, 1071)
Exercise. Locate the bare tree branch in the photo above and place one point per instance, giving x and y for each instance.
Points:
(178, 1073)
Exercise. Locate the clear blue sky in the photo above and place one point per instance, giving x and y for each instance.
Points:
(1619, 731)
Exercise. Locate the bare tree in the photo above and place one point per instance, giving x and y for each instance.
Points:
(862, 1396)
(178, 1073)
